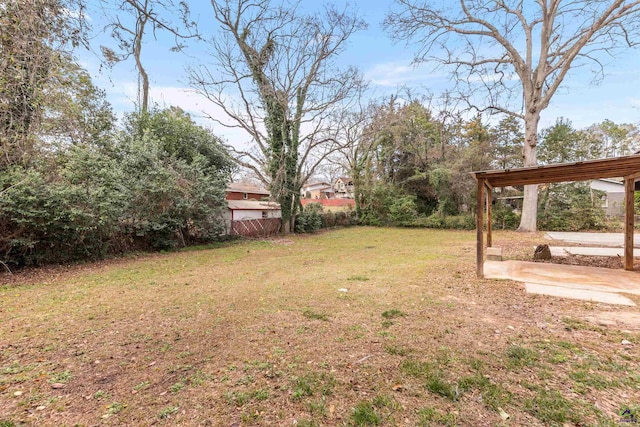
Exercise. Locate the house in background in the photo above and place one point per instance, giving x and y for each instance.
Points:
(613, 200)
(343, 188)
(317, 191)
(249, 212)
(240, 191)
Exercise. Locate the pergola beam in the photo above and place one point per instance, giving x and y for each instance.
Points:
(579, 171)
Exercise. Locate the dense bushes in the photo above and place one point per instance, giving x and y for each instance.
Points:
(386, 207)
(138, 193)
(50, 217)
(310, 219)
(570, 207)
(455, 222)
(313, 218)
(504, 217)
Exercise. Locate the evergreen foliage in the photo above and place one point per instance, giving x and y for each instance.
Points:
(310, 219)
(158, 187)
(571, 207)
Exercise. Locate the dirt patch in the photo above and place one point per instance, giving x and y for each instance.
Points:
(629, 320)
(521, 246)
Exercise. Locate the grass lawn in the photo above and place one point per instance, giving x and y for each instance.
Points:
(359, 326)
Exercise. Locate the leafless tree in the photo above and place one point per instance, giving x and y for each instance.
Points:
(354, 155)
(276, 79)
(130, 21)
(35, 36)
(516, 53)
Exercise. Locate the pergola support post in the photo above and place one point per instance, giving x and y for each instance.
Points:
(489, 208)
(629, 220)
(479, 228)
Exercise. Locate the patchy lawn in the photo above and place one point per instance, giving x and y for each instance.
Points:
(359, 326)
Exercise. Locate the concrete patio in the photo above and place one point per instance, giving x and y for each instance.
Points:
(599, 239)
(564, 251)
(569, 281)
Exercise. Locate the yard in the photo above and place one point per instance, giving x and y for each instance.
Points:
(358, 326)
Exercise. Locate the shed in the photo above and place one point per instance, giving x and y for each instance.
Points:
(239, 210)
(627, 167)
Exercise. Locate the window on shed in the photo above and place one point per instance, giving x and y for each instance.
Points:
(245, 196)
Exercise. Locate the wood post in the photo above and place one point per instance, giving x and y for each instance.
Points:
(489, 220)
(629, 212)
(479, 229)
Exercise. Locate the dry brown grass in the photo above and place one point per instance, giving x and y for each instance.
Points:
(259, 333)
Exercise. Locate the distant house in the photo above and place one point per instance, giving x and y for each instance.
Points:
(613, 200)
(343, 188)
(249, 212)
(240, 191)
(317, 191)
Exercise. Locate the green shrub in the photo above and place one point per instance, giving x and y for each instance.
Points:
(328, 219)
(504, 217)
(345, 218)
(49, 217)
(310, 219)
(376, 205)
(454, 222)
(156, 188)
(570, 207)
(403, 210)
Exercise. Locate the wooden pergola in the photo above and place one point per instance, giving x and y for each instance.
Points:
(626, 167)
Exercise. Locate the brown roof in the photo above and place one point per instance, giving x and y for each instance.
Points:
(578, 171)
(238, 187)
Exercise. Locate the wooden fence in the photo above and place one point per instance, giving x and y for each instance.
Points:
(264, 227)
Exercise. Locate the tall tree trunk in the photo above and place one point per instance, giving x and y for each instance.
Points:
(528, 221)
(137, 51)
(356, 197)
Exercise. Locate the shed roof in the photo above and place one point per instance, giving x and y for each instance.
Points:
(238, 187)
(252, 205)
(577, 171)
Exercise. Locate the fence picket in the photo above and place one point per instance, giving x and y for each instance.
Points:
(264, 227)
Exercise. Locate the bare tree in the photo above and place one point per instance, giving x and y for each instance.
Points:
(516, 53)
(129, 24)
(35, 36)
(276, 79)
(354, 155)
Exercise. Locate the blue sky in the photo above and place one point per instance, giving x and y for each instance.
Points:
(387, 65)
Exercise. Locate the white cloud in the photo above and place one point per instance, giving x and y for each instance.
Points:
(399, 73)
